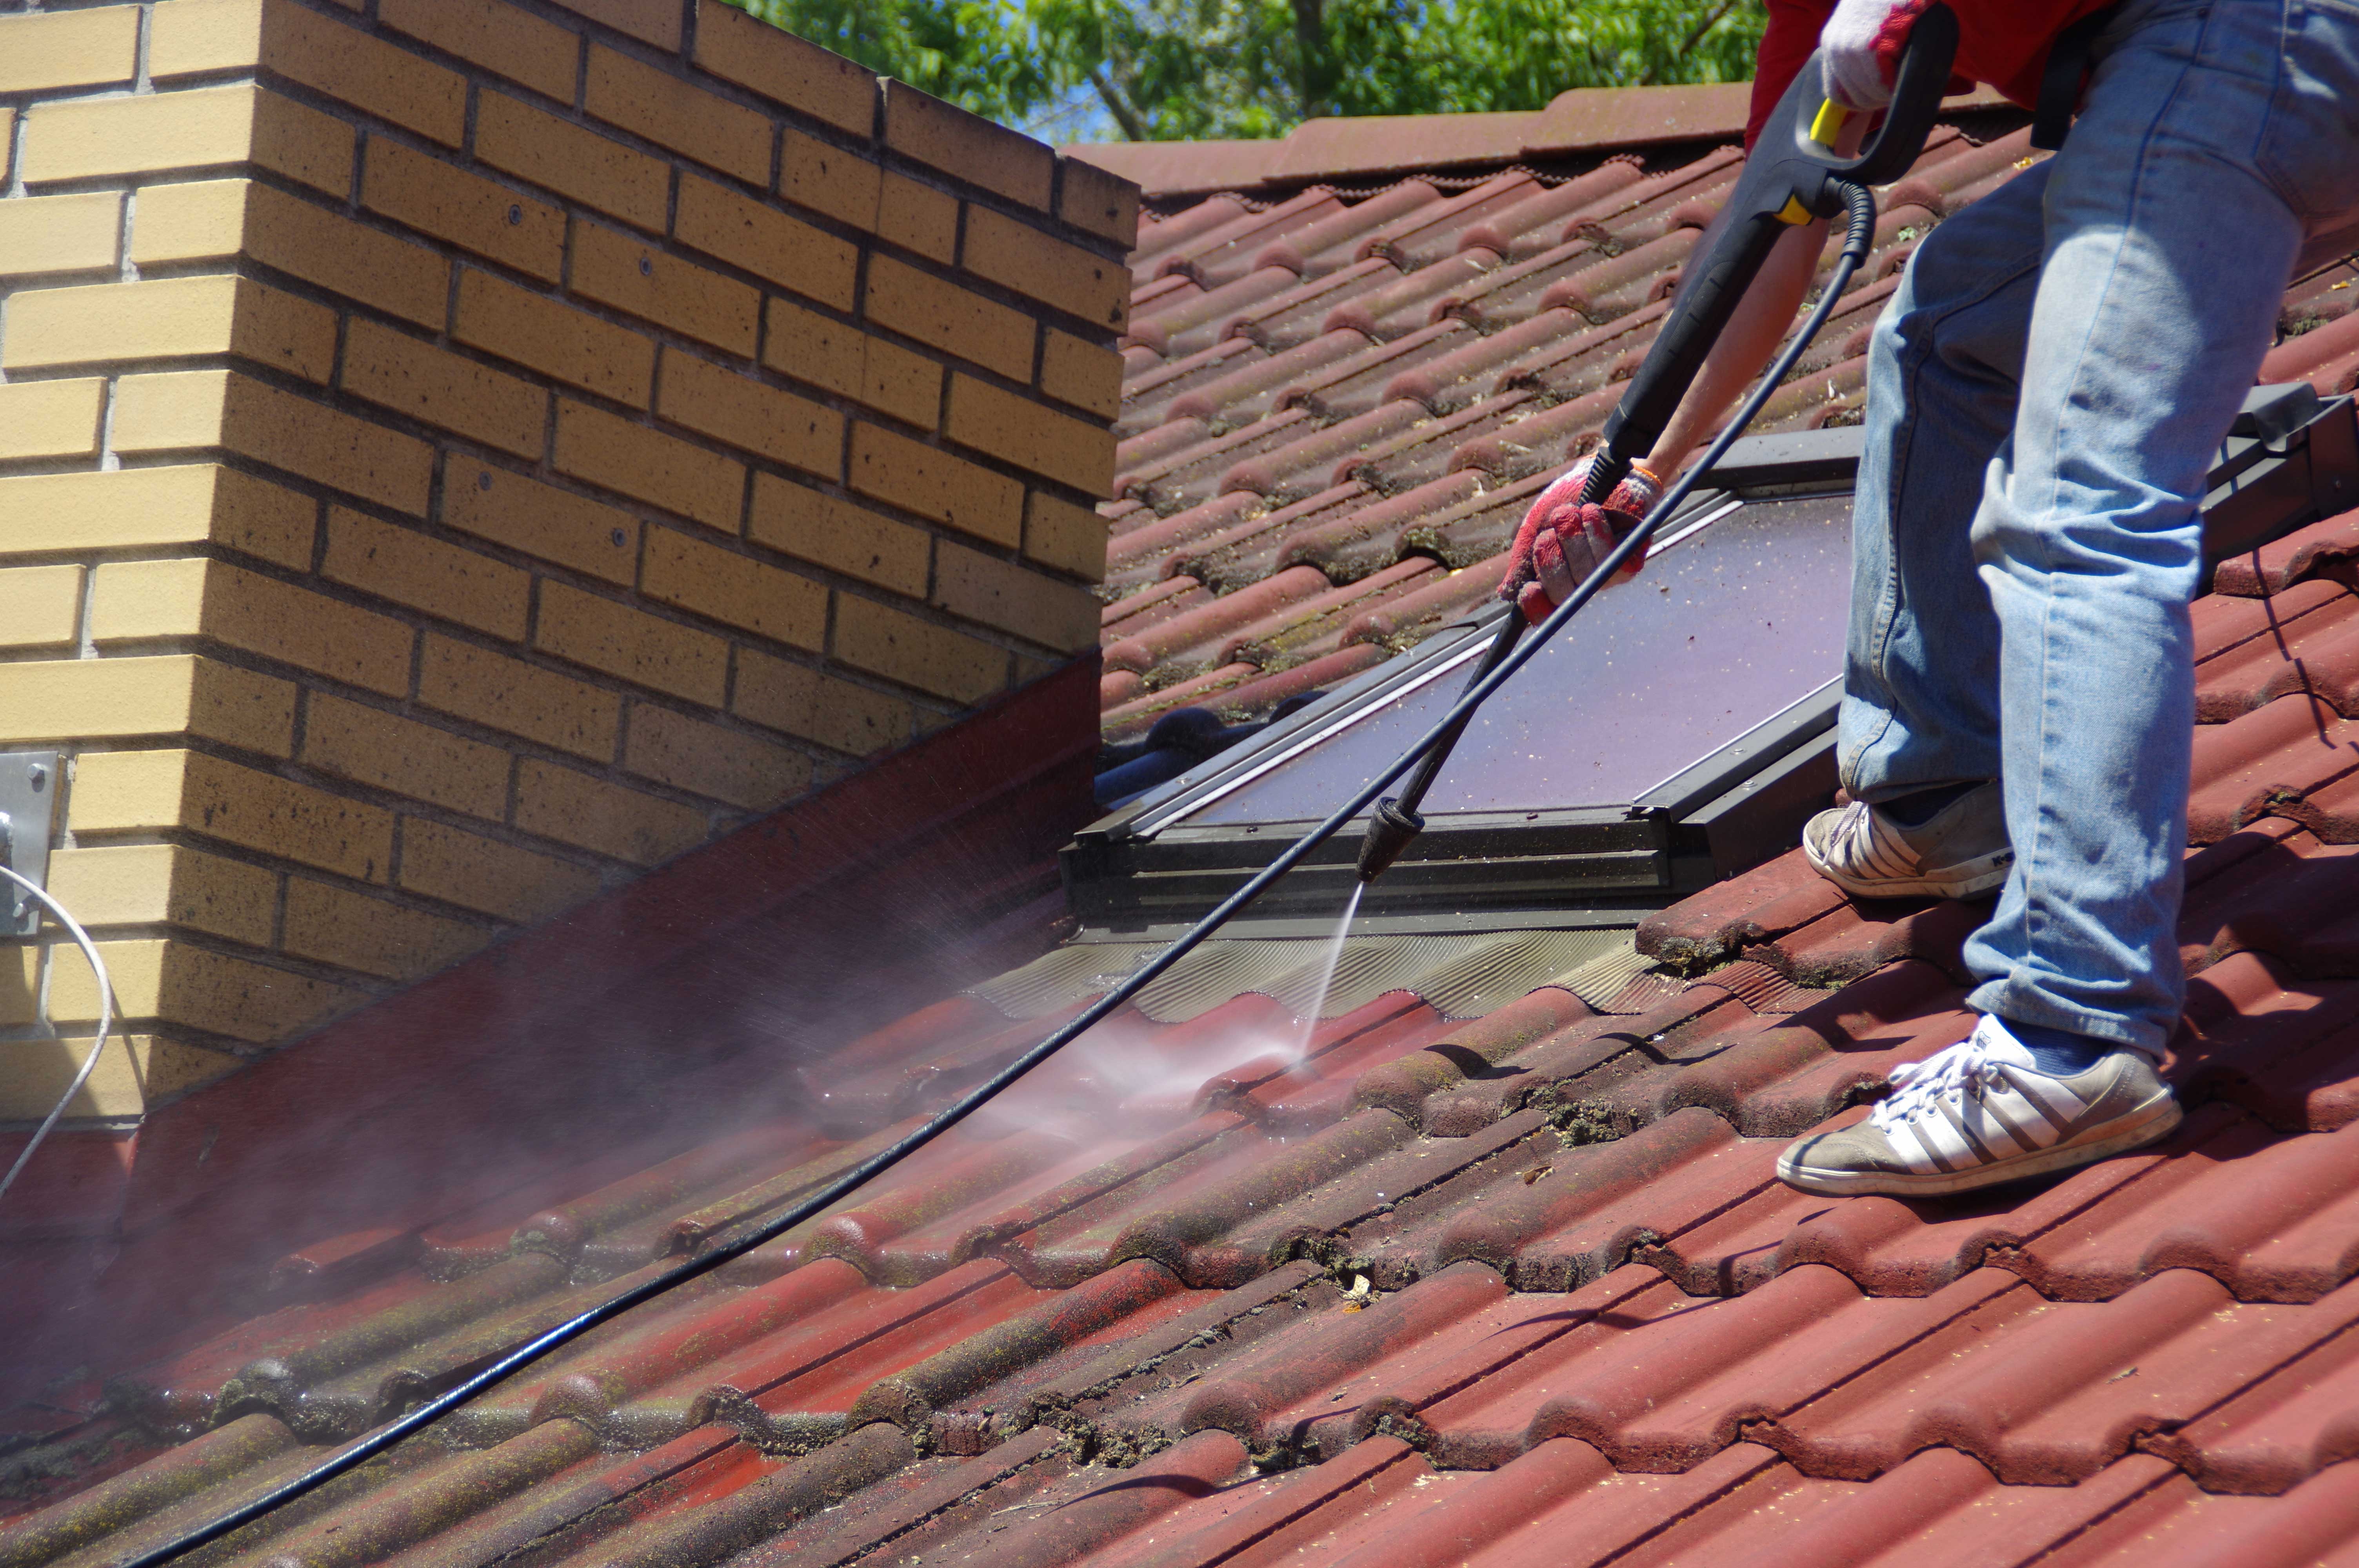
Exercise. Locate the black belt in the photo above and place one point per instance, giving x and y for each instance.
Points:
(2061, 83)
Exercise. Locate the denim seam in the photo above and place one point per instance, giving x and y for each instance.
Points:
(1921, 347)
(2037, 921)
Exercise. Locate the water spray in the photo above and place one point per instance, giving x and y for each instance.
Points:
(1783, 184)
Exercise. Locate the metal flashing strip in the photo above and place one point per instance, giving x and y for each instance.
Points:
(1617, 917)
(1697, 784)
(1460, 974)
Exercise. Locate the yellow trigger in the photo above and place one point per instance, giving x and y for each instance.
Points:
(1793, 211)
(1829, 123)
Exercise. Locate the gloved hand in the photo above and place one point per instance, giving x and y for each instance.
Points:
(1561, 541)
(1859, 49)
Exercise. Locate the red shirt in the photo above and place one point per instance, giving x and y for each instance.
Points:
(2003, 42)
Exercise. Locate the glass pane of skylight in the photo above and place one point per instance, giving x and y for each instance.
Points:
(1723, 629)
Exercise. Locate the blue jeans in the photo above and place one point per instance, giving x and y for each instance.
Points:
(2058, 369)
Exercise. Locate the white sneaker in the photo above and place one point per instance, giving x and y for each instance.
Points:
(1962, 852)
(1979, 1114)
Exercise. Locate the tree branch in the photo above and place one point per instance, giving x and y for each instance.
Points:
(1133, 127)
(1707, 24)
(1310, 49)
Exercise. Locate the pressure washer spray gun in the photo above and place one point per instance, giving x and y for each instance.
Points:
(1792, 176)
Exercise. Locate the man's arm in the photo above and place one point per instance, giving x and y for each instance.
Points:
(1744, 347)
(1768, 307)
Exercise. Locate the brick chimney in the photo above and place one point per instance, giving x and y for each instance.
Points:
(456, 455)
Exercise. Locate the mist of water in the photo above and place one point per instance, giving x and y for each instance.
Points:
(1327, 962)
(1130, 1076)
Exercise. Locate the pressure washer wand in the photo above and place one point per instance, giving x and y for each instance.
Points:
(1792, 176)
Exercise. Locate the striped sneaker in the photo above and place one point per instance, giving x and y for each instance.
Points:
(1961, 851)
(1979, 1114)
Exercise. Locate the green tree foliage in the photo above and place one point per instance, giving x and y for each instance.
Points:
(1166, 70)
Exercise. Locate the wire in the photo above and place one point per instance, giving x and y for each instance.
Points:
(363, 1449)
(105, 1012)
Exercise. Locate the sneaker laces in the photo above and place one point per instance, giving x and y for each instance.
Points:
(1918, 1086)
(1854, 835)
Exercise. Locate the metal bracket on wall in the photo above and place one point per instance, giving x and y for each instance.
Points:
(28, 795)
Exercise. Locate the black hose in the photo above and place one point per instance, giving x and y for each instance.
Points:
(1862, 224)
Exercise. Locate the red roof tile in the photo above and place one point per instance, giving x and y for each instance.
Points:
(1490, 1264)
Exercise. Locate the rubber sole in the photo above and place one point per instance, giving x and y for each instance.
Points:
(1934, 886)
(2142, 1129)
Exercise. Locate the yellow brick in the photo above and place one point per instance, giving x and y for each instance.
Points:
(729, 406)
(58, 233)
(51, 418)
(191, 36)
(253, 614)
(134, 507)
(1071, 538)
(589, 814)
(1017, 256)
(171, 318)
(639, 462)
(826, 178)
(554, 338)
(919, 216)
(968, 146)
(89, 138)
(21, 985)
(783, 67)
(976, 587)
(601, 634)
(138, 601)
(630, 274)
(40, 607)
(69, 48)
(917, 477)
(802, 702)
(1031, 436)
(442, 388)
(386, 751)
(707, 580)
(843, 359)
(491, 877)
(838, 535)
(921, 305)
(175, 983)
(885, 642)
(354, 931)
(678, 115)
(495, 35)
(188, 792)
(1101, 203)
(166, 884)
(137, 1074)
(1081, 374)
(704, 759)
(226, 219)
(653, 22)
(223, 408)
(97, 699)
(472, 212)
(574, 162)
(763, 241)
(540, 520)
(508, 695)
(409, 569)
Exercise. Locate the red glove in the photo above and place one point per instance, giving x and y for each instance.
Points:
(1561, 541)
